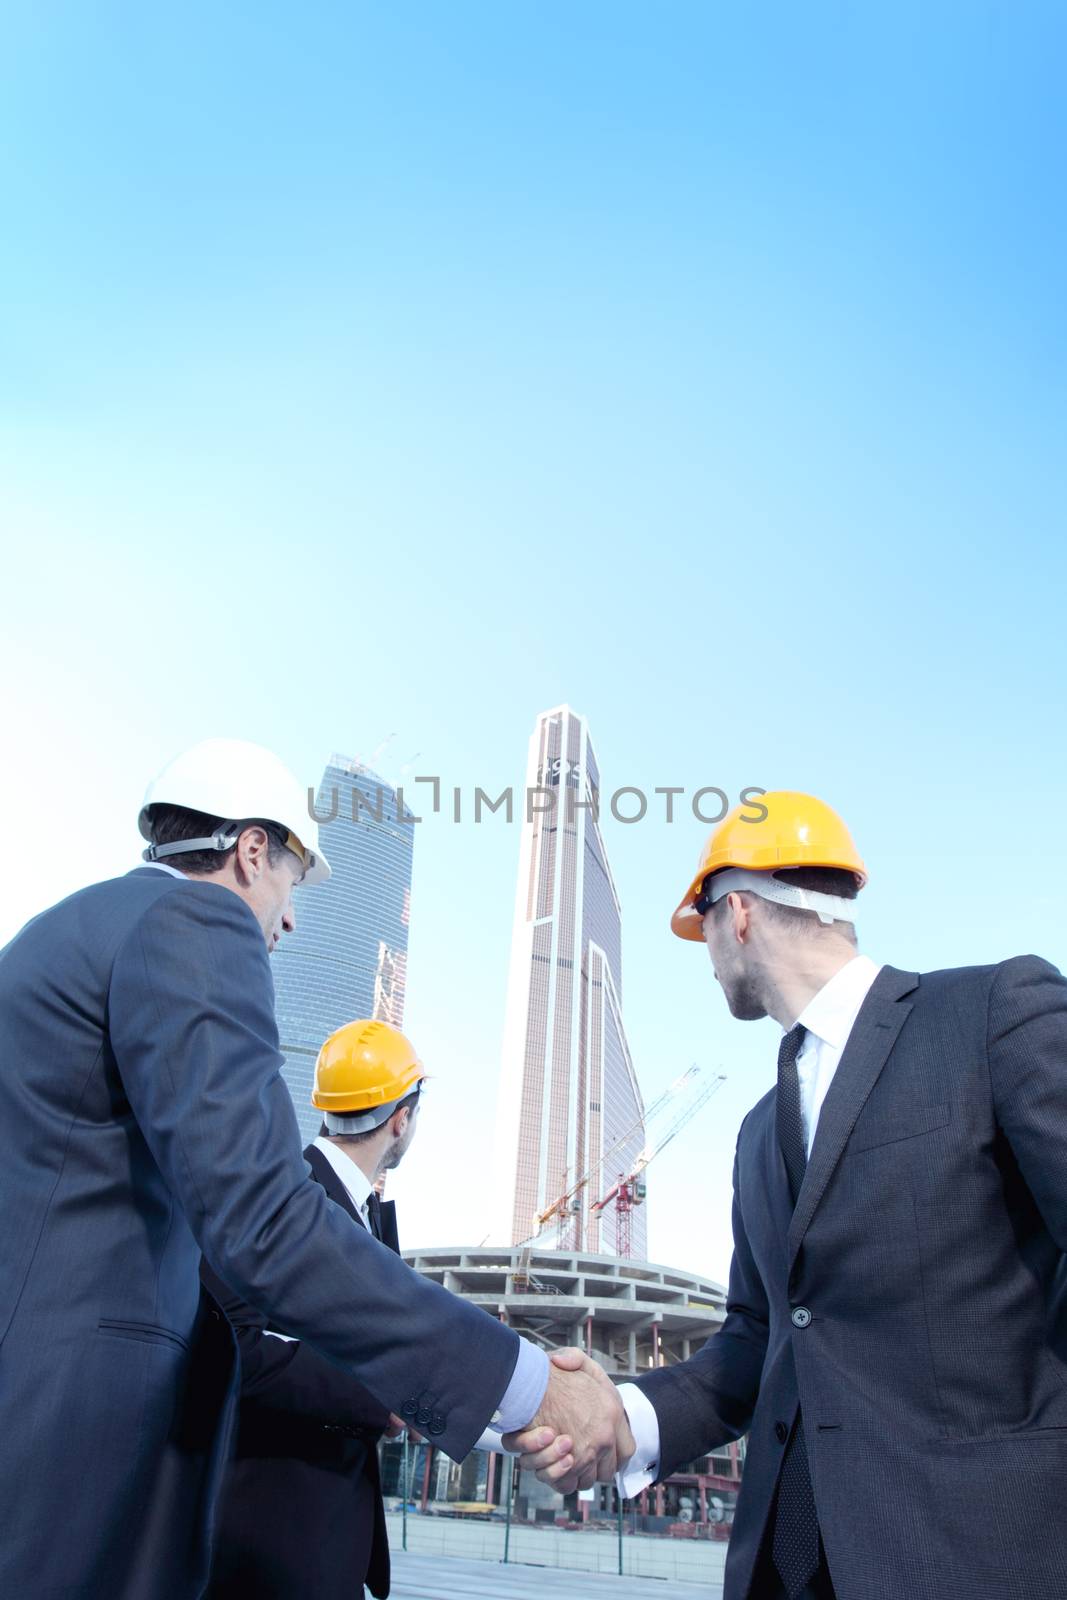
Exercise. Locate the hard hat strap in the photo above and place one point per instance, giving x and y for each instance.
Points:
(365, 1121)
(827, 907)
(222, 839)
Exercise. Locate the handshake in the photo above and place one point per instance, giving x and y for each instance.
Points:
(580, 1436)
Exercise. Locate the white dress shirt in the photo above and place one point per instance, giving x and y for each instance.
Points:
(828, 1018)
(357, 1185)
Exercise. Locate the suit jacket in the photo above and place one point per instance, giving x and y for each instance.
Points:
(301, 1509)
(144, 1121)
(908, 1304)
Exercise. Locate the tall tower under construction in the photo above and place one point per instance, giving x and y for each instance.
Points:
(570, 1104)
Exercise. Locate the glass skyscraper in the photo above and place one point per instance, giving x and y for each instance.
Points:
(570, 1103)
(348, 956)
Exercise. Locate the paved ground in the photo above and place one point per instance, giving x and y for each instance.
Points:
(696, 1565)
(451, 1578)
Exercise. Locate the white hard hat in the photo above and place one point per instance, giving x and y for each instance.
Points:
(238, 782)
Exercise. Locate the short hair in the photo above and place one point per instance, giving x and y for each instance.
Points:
(171, 824)
(819, 880)
(411, 1099)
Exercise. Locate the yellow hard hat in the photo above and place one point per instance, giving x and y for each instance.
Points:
(794, 830)
(362, 1073)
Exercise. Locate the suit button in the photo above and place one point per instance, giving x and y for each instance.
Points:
(422, 1416)
(781, 1432)
(409, 1408)
(801, 1316)
(437, 1425)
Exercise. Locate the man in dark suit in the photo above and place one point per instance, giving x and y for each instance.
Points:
(900, 1217)
(301, 1510)
(144, 1122)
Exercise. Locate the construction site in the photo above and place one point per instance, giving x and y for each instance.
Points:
(630, 1315)
(576, 1142)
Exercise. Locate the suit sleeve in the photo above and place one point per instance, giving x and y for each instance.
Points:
(709, 1399)
(1027, 1047)
(290, 1377)
(191, 1021)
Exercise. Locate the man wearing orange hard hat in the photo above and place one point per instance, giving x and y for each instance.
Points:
(301, 1510)
(798, 853)
(900, 1220)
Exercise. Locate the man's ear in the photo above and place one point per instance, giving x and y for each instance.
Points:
(741, 915)
(252, 851)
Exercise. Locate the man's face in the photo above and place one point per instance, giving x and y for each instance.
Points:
(271, 897)
(730, 961)
(399, 1147)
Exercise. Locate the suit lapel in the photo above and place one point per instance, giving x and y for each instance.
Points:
(390, 1236)
(324, 1174)
(874, 1033)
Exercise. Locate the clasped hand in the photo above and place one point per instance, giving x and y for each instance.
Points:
(580, 1436)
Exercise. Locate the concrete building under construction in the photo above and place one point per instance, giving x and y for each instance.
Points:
(631, 1316)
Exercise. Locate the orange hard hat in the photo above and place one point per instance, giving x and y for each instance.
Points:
(794, 830)
(363, 1071)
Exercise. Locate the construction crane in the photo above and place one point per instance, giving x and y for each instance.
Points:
(567, 1206)
(629, 1191)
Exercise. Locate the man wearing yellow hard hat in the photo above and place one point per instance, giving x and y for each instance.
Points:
(891, 1342)
(301, 1511)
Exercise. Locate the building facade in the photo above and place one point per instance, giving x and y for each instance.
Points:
(570, 1107)
(348, 957)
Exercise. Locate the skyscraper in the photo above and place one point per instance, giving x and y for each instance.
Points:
(570, 1103)
(348, 957)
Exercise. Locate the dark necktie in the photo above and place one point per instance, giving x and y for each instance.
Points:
(790, 1121)
(795, 1544)
(374, 1214)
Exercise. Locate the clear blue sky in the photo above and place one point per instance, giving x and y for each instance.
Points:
(401, 370)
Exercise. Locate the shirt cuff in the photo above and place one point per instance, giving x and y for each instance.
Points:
(523, 1395)
(490, 1440)
(637, 1473)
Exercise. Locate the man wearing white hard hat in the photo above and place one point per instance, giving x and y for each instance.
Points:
(211, 797)
(144, 1120)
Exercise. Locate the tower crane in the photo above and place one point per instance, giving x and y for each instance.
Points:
(566, 1205)
(629, 1191)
